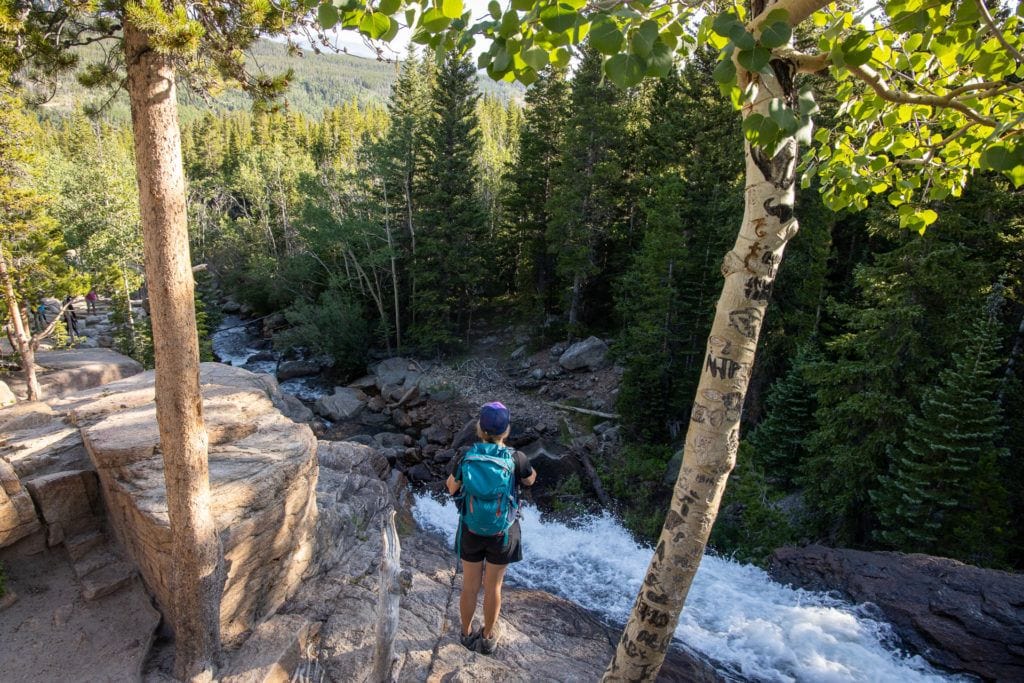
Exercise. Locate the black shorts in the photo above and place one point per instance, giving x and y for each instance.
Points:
(504, 549)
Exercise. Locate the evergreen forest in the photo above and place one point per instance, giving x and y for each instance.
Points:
(886, 406)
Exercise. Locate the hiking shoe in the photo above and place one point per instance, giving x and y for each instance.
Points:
(487, 646)
(470, 640)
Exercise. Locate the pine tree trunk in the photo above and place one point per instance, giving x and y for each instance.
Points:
(713, 435)
(197, 579)
(21, 336)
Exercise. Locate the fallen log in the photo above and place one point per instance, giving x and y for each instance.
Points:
(585, 411)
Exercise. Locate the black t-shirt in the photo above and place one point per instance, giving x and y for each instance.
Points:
(523, 467)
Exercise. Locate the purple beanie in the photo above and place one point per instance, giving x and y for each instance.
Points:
(494, 418)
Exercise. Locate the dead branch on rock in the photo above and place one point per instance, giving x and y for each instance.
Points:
(585, 411)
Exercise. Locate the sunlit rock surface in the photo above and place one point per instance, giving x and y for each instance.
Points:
(263, 476)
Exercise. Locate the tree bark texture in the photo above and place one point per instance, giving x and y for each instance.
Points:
(21, 336)
(388, 595)
(198, 574)
(712, 438)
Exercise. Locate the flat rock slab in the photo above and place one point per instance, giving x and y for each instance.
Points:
(262, 478)
(51, 633)
(71, 370)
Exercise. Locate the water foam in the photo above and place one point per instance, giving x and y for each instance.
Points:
(735, 614)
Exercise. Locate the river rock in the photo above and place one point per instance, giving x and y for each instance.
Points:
(955, 615)
(466, 436)
(392, 440)
(263, 476)
(393, 372)
(589, 353)
(261, 357)
(365, 382)
(294, 409)
(231, 306)
(552, 462)
(436, 435)
(343, 404)
(291, 369)
(6, 395)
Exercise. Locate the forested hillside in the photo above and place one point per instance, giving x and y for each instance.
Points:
(885, 409)
(319, 81)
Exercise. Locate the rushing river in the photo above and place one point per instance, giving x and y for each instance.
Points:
(754, 628)
(234, 343)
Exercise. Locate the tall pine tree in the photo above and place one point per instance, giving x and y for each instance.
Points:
(944, 495)
(452, 250)
(530, 190)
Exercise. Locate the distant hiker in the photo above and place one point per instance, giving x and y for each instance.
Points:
(485, 482)
(90, 301)
(70, 319)
(39, 317)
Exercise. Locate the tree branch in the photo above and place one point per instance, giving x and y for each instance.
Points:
(881, 88)
(805, 62)
(798, 10)
(996, 32)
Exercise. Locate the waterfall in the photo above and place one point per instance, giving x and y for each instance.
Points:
(754, 628)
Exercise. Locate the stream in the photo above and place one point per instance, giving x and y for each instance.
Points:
(753, 628)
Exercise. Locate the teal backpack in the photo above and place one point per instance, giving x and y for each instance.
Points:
(487, 501)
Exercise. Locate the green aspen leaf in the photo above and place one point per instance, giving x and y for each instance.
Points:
(522, 5)
(659, 64)
(723, 23)
(560, 57)
(913, 42)
(783, 116)
(605, 36)
(495, 9)
(526, 76)
(433, 21)
(1016, 176)
(558, 17)
(644, 37)
(625, 70)
(509, 25)
(806, 103)
(450, 8)
(389, 7)
(536, 58)
(1001, 158)
(725, 71)
(776, 34)
(754, 60)
(502, 60)
(375, 24)
(422, 37)
(760, 130)
(928, 216)
(327, 15)
(857, 49)
(742, 38)
(484, 60)
(310, 4)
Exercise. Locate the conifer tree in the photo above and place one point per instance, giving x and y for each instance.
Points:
(664, 300)
(897, 337)
(777, 444)
(943, 494)
(530, 190)
(452, 251)
(588, 218)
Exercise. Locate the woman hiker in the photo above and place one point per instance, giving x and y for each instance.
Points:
(485, 482)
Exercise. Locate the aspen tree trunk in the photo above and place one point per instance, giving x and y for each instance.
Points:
(197, 579)
(21, 335)
(712, 438)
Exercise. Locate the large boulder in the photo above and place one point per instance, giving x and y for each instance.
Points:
(64, 372)
(343, 404)
(263, 476)
(38, 440)
(7, 396)
(291, 369)
(589, 353)
(955, 615)
(69, 503)
(17, 514)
